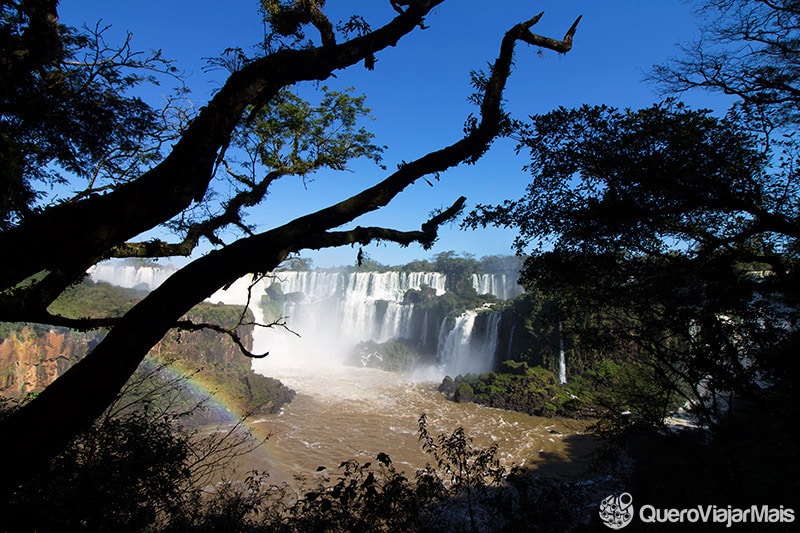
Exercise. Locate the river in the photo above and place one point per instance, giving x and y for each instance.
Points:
(342, 412)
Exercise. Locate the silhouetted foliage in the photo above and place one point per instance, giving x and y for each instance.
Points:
(667, 224)
(138, 472)
(668, 238)
(138, 468)
(66, 110)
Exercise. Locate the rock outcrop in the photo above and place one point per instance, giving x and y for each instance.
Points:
(32, 358)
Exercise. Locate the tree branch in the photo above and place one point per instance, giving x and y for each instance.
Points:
(563, 46)
(87, 230)
(188, 325)
(364, 235)
(82, 393)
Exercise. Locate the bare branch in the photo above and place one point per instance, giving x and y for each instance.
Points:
(563, 46)
(188, 325)
(90, 228)
(364, 235)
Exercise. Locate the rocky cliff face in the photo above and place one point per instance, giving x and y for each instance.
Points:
(31, 358)
(205, 347)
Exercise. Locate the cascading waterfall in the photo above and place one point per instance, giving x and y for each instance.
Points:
(466, 348)
(562, 359)
(339, 309)
(344, 412)
(357, 306)
(424, 337)
(503, 286)
(455, 353)
(131, 277)
(489, 345)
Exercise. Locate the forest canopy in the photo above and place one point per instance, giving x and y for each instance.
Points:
(678, 228)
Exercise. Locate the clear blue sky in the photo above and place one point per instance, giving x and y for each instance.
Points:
(418, 90)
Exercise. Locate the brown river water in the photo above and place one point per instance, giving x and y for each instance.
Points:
(343, 412)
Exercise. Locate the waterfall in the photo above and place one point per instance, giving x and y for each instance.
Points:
(463, 349)
(423, 340)
(454, 347)
(131, 277)
(356, 306)
(562, 360)
(511, 339)
(502, 286)
(336, 310)
(489, 345)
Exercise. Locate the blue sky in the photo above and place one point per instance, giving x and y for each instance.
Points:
(418, 90)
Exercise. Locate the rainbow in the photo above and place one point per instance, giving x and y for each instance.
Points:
(219, 407)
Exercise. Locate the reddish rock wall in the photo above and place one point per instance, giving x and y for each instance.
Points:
(31, 360)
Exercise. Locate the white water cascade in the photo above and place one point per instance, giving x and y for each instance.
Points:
(562, 359)
(504, 286)
(353, 307)
(342, 412)
(144, 277)
(454, 346)
(336, 310)
(457, 351)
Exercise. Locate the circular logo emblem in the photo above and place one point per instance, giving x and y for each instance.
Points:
(617, 511)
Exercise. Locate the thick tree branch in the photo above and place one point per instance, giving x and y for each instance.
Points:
(563, 46)
(231, 214)
(87, 230)
(426, 236)
(46, 424)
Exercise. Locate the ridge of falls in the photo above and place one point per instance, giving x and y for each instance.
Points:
(355, 306)
(144, 277)
(503, 286)
(337, 310)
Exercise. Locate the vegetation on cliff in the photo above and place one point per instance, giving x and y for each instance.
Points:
(518, 387)
(392, 356)
(32, 356)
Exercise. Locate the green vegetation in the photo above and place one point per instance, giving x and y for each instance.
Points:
(238, 387)
(206, 355)
(272, 302)
(95, 300)
(459, 267)
(392, 356)
(668, 240)
(664, 249)
(518, 387)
